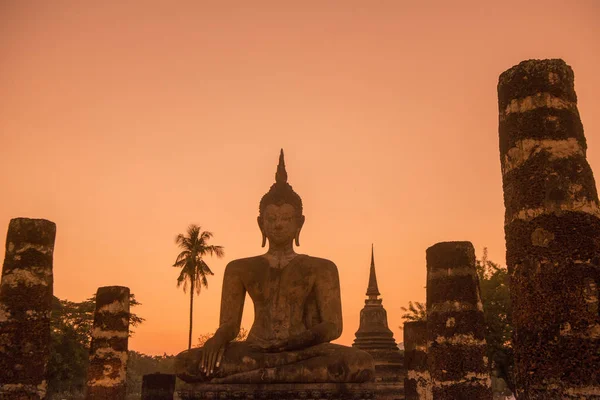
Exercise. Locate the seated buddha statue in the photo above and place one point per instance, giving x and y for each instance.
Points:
(297, 311)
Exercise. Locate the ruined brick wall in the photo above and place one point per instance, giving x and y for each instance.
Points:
(25, 308)
(456, 348)
(108, 351)
(417, 384)
(552, 229)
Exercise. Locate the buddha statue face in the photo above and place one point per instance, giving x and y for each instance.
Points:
(280, 224)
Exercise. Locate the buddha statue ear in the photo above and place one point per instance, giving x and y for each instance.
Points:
(264, 238)
(300, 224)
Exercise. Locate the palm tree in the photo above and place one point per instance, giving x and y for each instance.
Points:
(193, 268)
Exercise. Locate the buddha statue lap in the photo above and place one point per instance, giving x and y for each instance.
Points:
(297, 307)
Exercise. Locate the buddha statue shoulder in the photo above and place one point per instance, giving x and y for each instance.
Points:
(297, 307)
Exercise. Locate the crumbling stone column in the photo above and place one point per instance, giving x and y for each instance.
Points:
(108, 352)
(455, 324)
(25, 308)
(158, 387)
(552, 230)
(417, 384)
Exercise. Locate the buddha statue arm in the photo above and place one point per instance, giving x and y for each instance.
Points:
(232, 306)
(329, 304)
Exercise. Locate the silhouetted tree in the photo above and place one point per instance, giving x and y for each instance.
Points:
(193, 268)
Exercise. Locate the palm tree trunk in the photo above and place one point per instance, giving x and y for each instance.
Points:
(191, 313)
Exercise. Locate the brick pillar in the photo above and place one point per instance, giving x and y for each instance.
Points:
(108, 352)
(417, 384)
(455, 324)
(552, 231)
(25, 308)
(158, 387)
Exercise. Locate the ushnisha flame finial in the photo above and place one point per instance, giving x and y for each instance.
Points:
(281, 174)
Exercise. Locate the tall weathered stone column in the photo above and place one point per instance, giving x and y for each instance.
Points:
(158, 387)
(552, 230)
(456, 348)
(417, 384)
(25, 308)
(108, 352)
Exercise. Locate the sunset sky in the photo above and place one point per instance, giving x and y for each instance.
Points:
(124, 122)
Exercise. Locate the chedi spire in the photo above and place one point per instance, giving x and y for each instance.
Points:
(372, 289)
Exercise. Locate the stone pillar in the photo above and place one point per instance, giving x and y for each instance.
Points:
(552, 231)
(456, 348)
(417, 384)
(25, 308)
(158, 387)
(108, 351)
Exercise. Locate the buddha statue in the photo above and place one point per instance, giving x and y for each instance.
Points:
(297, 311)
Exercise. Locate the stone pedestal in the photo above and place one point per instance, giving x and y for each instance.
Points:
(279, 391)
(158, 386)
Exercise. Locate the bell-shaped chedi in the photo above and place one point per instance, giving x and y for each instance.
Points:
(373, 333)
(375, 337)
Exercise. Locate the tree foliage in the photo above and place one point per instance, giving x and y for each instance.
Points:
(495, 296)
(414, 312)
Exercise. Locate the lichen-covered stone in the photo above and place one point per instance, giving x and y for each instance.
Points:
(456, 348)
(552, 229)
(108, 351)
(417, 384)
(25, 308)
(158, 386)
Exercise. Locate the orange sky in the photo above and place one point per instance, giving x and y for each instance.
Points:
(124, 123)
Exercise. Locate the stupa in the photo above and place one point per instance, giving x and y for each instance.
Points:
(375, 337)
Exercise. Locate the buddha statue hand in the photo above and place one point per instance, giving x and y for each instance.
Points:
(212, 354)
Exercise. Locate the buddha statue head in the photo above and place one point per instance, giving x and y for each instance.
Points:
(280, 216)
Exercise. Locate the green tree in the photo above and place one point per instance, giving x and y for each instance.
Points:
(495, 296)
(193, 268)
